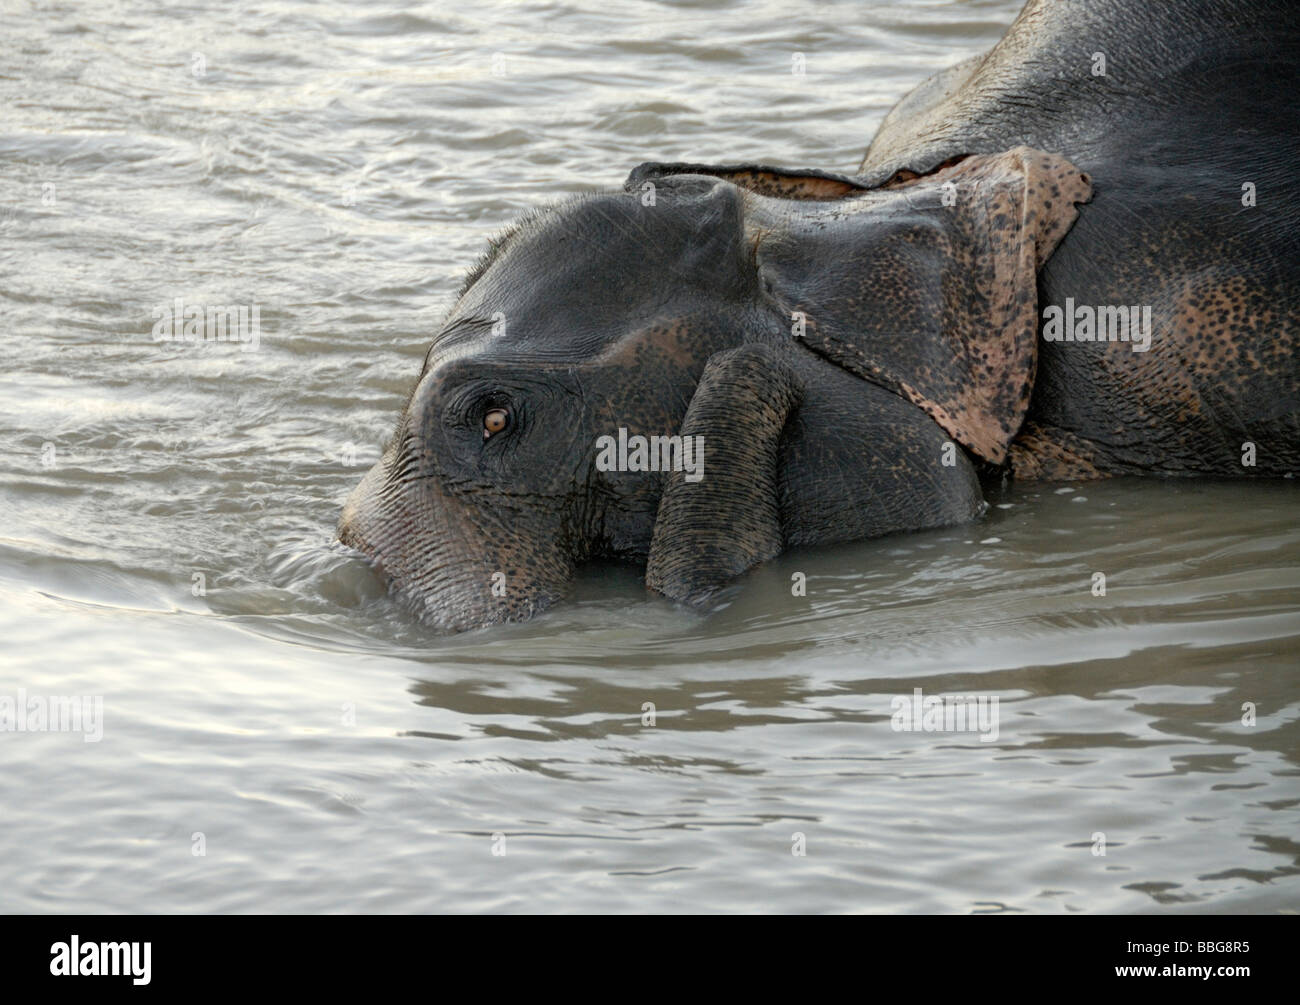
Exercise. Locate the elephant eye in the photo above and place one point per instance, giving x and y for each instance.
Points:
(495, 420)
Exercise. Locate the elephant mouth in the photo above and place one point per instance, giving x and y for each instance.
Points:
(404, 535)
(436, 565)
(350, 538)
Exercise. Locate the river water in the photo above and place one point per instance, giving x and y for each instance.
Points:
(276, 736)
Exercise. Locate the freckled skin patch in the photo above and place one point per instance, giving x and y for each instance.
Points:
(1055, 455)
(1202, 105)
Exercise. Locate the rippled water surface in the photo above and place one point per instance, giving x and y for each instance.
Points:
(168, 512)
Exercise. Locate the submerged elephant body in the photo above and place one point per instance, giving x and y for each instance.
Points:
(843, 354)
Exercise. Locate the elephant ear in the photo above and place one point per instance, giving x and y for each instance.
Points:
(929, 283)
(939, 302)
(777, 183)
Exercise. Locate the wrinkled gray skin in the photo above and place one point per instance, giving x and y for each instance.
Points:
(853, 349)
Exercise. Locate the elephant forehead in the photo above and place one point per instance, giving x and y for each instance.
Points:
(606, 255)
(635, 352)
(532, 344)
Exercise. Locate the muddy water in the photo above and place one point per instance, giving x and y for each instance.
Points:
(275, 736)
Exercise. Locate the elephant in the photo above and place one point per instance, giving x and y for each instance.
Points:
(1072, 257)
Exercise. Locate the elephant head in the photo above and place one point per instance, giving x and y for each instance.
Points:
(791, 322)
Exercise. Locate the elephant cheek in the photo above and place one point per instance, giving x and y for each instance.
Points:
(438, 564)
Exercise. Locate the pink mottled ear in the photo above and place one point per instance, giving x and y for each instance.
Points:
(1010, 212)
(947, 309)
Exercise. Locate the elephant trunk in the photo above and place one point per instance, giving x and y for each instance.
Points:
(454, 566)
